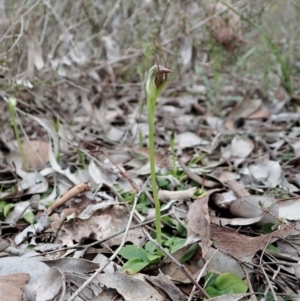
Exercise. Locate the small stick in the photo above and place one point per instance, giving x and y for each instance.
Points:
(74, 191)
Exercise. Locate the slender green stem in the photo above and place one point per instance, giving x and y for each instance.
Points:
(12, 111)
(151, 104)
(172, 145)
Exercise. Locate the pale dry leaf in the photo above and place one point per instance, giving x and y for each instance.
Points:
(102, 260)
(196, 89)
(214, 122)
(167, 286)
(235, 221)
(13, 265)
(245, 108)
(115, 134)
(166, 195)
(222, 263)
(49, 285)
(42, 223)
(132, 288)
(199, 221)
(238, 188)
(72, 265)
(112, 48)
(186, 50)
(289, 209)
(189, 139)
(32, 182)
(239, 149)
(267, 172)
(34, 54)
(102, 224)
(223, 200)
(296, 148)
(254, 206)
(11, 286)
(101, 175)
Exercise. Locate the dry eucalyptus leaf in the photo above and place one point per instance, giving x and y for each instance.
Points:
(36, 155)
(13, 265)
(267, 172)
(102, 224)
(245, 108)
(244, 247)
(189, 139)
(199, 221)
(167, 286)
(239, 149)
(49, 285)
(11, 286)
(235, 221)
(254, 206)
(72, 265)
(132, 288)
(220, 263)
(289, 209)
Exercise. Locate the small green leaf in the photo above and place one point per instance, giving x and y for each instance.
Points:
(168, 220)
(212, 292)
(189, 253)
(7, 209)
(151, 247)
(225, 284)
(29, 217)
(210, 279)
(181, 230)
(267, 228)
(133, 266)
(229, 283)
(2, 206)
(70, 217)
(153, 258)
(177, 244)
(134, 252)
(271, 247)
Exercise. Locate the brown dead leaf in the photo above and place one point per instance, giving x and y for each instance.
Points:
(238, 188)
(102, 224)
(243, 247)
(11, 286)
(36, 153)
(133, 288)
(199, 221)
(167, 286)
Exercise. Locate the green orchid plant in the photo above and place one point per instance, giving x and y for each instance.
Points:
(156, 81)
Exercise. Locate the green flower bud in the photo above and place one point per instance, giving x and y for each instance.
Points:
(157, 78)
